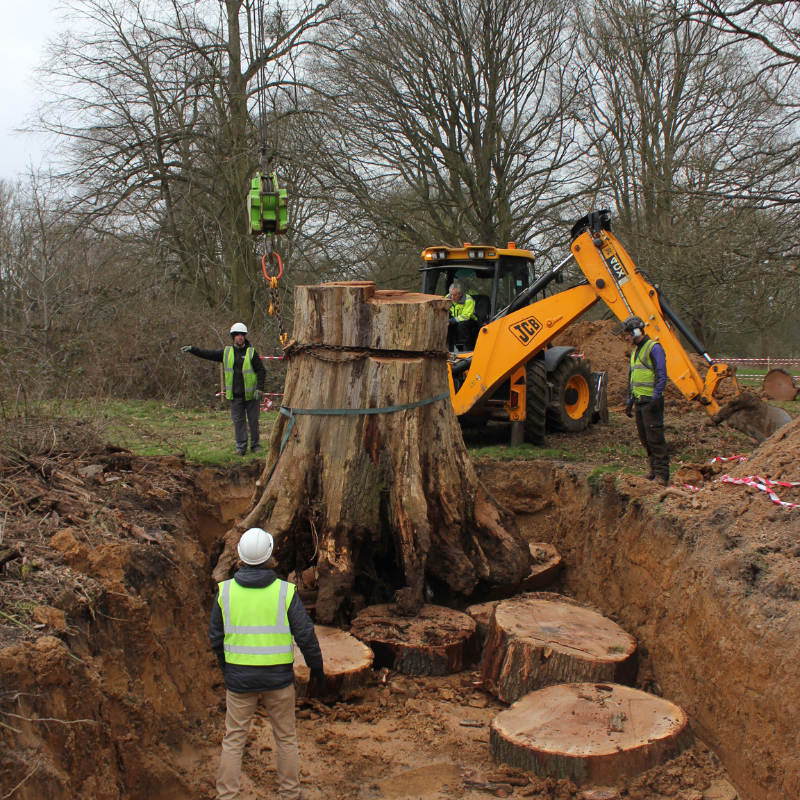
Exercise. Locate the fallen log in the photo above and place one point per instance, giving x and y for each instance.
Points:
(540, 639)
(347, 664)
(437, 641)
(376, 502)
(589, 732)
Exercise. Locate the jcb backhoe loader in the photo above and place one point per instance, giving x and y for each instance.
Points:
(510, 367)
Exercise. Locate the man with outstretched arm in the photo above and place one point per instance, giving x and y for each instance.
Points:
(648, 378)
(256, 618)
(244, 384)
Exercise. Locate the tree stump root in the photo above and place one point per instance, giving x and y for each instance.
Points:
(438, 641)
(347, 664)
(540, 639)
(589, 732)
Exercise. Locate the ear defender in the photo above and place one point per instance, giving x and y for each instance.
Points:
(636, 332)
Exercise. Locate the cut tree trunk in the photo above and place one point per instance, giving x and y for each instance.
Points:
(347, 664)
(380, 502)
(778, 384)
(589, 732)
(540, 639)
(482, 614)
(437, 641)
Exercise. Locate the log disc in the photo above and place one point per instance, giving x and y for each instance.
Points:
(589, 732)
(482, 614)
(537, 640)
(347, 664)
(437, 641)
(778, 384)
(545, 568)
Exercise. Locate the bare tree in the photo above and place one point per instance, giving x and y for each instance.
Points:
(448, 120)
(687, 142)
(155, 102)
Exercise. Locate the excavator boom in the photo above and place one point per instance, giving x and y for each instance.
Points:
(522, 331)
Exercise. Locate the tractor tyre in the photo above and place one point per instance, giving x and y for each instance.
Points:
(572, 396)
(536, 402)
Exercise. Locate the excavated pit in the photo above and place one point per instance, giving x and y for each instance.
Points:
(127, 701)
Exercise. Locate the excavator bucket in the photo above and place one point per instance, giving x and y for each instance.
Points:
(748, 414)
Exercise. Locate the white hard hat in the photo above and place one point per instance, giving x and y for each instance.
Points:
(255, 546)
(238, 327)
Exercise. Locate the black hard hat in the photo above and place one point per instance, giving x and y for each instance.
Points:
(631, 323)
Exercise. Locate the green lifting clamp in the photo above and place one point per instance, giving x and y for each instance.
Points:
(266, 205)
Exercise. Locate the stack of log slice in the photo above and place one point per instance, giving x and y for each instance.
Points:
(589, 732)
(347, 661)
(540, 639)
(545, 567)
(437, 641)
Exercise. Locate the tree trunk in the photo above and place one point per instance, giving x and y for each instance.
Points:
(540, 639)
(589, 732)
(379, 502)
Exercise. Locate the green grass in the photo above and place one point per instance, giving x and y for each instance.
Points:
(593, 478)
(150, 428)
(526, 451)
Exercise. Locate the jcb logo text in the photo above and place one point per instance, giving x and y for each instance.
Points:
(526, 330)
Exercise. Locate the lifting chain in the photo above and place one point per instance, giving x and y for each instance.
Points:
(274, 295)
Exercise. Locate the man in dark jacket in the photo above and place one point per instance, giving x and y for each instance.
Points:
(244, 384)
(648, 378)
(256, 618)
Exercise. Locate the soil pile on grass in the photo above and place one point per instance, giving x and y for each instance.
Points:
(612, 354)
(777, 459)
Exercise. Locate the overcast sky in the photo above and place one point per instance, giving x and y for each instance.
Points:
(24, 28)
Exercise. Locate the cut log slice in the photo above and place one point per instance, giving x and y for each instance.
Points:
(546, 566)
(778, 384)
(347, 663)
(437, 641)
(541, 639)
(482, 614)
(589, 732)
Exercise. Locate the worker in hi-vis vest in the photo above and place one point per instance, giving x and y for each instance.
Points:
(254, 623)
(244, 384)
(648, 378)
(462, 327)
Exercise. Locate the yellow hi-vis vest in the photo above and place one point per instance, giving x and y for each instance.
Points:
(643, 376)
(257, 623)
(248, 373)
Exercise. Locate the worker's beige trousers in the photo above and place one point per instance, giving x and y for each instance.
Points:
(241, 708)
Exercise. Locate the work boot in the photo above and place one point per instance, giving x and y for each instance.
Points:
(241, 452)
(256, 449)
(659, 481)
(650, 475)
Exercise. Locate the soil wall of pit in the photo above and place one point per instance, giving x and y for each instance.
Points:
(123, 699)
(706, 591)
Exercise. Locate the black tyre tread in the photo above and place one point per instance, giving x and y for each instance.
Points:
(557, 419)
(536, 401)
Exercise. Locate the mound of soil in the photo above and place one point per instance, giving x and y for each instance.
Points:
(777, 459)
(612, 354)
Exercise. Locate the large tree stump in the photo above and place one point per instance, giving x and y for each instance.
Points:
(589, 732)
(376, 502)
(347, 661)
(540, 639)
(437, 641)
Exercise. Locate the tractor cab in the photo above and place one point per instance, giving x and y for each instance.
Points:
(491, 276)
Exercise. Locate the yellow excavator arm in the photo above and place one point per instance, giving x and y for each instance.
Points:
(508, 342)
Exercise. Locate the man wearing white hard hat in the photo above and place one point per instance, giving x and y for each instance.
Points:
(244, 384)
(256, 618)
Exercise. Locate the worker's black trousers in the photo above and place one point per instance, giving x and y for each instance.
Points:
(650, 424)
(244, 412)
(463, 334)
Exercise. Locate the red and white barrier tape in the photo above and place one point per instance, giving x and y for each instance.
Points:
(729, 458)
(756, 360)
(271, 358)
(764, 485)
